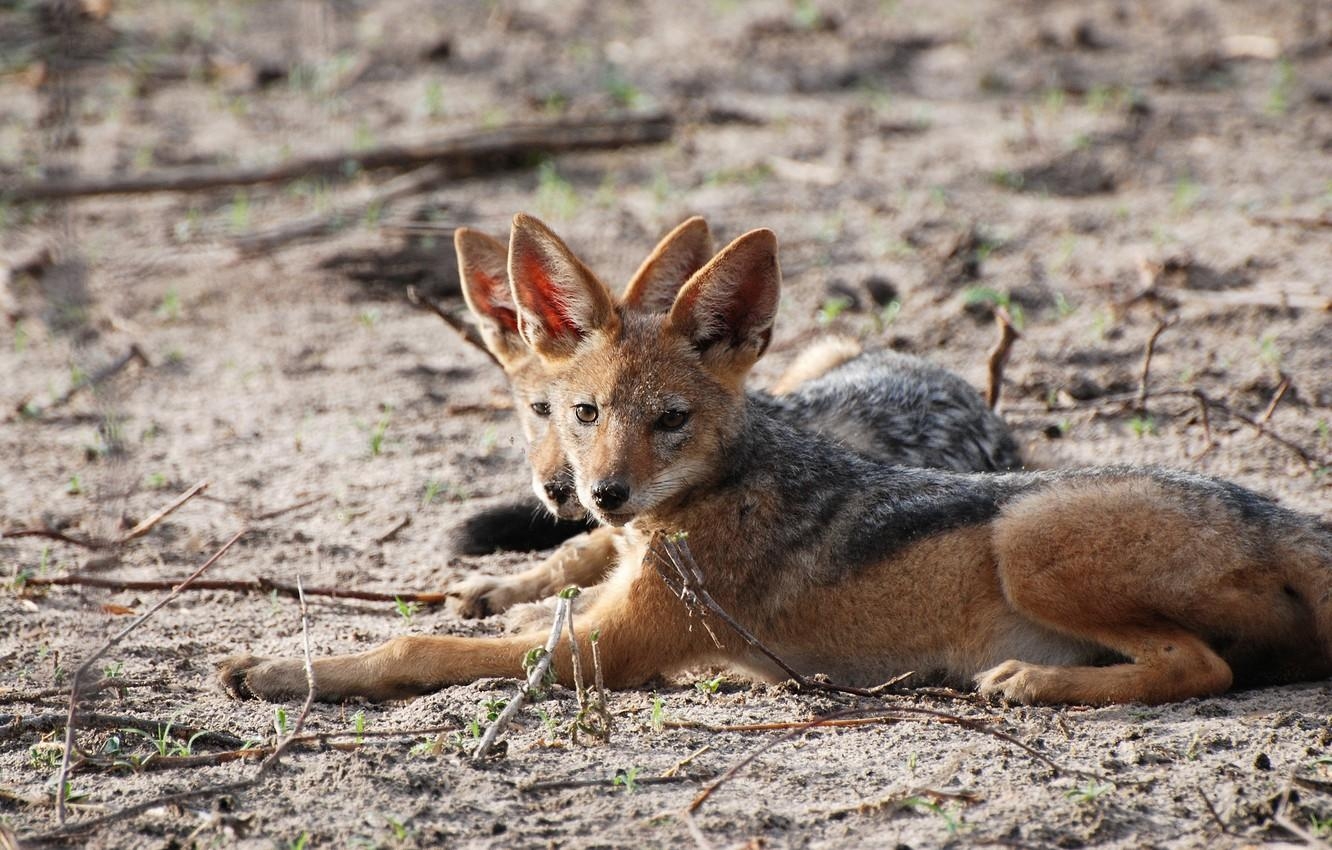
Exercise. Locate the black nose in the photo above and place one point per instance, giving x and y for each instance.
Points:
(609, 495)
(559, 491)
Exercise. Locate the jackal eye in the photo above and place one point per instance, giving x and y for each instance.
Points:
(541, 408)
(586, 413)
(672, 420)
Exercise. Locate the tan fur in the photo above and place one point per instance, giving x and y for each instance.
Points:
(1087, 587)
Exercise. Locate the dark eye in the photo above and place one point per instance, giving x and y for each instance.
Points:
(541, 408)
(586, 413)
(672, 420)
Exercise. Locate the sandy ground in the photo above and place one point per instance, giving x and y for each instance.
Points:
(1058, 158)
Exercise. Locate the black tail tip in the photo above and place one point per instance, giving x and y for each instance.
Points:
(516, 527)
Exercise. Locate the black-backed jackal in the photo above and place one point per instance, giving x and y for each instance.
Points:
(1092, 586)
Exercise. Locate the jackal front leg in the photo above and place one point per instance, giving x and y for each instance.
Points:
(583, 561)
(644, 632)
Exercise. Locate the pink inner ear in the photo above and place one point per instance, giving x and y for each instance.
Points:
(549, 299)
(490, 305)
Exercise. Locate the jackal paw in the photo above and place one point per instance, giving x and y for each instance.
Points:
(1015, 681)
(270, 679)
(530, 616)
(481, 596)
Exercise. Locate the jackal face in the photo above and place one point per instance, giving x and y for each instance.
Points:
(483, 268)
(644, 403)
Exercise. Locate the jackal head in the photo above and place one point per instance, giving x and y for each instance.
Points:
(644, 403)
(483, 268)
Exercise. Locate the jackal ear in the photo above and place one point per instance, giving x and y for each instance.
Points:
(560, 302)
(677, 256)
(483, 266)
(727, 308)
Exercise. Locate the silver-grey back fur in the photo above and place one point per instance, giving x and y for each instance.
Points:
(899, 409)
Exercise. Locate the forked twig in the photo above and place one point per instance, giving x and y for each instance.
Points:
(63, 776)
(535, 676)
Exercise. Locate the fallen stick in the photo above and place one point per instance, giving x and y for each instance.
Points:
(1123, 399)
(565, 784)
(463, 154)
(534, 679)
(319, 224)
(147, 525)
(1144, 375)
(134, 355)
(137, 531)
(999, 355)
(51, 721)
(257, 585)
(469, 332)
(63, 776)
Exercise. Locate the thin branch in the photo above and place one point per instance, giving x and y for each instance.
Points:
(565, 784)
(1276, 399)
(51, 721)
(463, 154)
(1211, 809)
(287, 742)
(277, 512)
(690, 589)
(134, 533)
(1123, 399)
(147, 525)
(52, 534)
(256, 585)
(1144, 374)
(319, 224)
(134, 355)
(1204, 403)
(63, 776)
(466, 330)
(999, 355)
(535, 677)
(1283, 820)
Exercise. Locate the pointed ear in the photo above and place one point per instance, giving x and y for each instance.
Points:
(726, 310)
(559, 301)
(483, 266)
(677, 256)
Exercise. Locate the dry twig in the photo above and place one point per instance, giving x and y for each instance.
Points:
(535, 677)
(462, 154)
(464, 329)
(63, 776)
(999, 355)
(256, 585)
(319, 224)
(137, 531)
(1162, 324)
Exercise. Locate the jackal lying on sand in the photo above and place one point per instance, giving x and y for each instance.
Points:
(1091, 586)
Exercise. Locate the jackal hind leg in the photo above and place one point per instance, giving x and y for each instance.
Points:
(1165, 666)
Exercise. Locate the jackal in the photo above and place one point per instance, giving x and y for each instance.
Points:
(890, 406)
(1091, 586)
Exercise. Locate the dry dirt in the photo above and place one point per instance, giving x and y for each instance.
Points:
(1056, 157)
